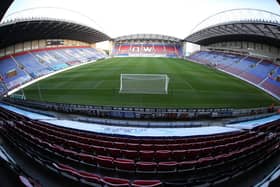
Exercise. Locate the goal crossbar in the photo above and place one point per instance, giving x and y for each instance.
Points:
(144, 83)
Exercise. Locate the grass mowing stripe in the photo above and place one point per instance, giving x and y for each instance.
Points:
(191, 85)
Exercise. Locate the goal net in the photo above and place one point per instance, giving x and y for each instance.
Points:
(18, 96)
(144, 83)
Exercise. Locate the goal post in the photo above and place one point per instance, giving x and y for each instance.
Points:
(144, 83)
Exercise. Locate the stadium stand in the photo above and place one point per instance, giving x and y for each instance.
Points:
(258, 71)
(33, 66)
(22, 67)
(12, 74)
(3, 89)
(151, 49)
(54, 61)
(129, 161)
(151, 45)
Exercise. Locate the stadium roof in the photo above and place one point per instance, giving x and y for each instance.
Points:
(5, 4)
(264, 27)
(20, 30)
(147, 37)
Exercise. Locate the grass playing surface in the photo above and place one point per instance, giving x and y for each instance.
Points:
(191, 85)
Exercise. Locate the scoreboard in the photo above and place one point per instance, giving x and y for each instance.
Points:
(54, 42)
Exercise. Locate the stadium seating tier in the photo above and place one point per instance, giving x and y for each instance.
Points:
(260, 72)
(20, 68)
(113, 160)
(148, 49)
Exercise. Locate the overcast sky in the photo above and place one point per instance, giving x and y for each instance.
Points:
(121, 17)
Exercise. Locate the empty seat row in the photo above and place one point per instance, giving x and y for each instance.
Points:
(96, 179)
(252, 69)
(247, 152)
(87, 136)
(24, 67)
(159, 155)
(72, 140)
(148, 165)
(169, 167)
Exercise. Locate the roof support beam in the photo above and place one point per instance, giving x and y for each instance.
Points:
(271, 31)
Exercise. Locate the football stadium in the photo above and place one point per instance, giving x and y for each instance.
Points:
(82, 107)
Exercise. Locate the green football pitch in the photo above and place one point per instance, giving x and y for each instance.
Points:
(191, 85)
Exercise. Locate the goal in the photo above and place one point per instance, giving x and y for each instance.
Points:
(144, 83)
(20, 96)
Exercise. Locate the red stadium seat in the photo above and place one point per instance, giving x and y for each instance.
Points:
(192, 154)
(167, 166)
(87, 148)
(132, 146)
(207, 151)
(70, 154)
(162, 155)
(57, 149)
(67, 171)
(105, 162)
(179, 155)
(160, 146)
(175, 146)
(115, 182)
(74, 145)
(120, 145)
(132, 140)
(90, 177)
(198, 145)
(146, 155)
(99, 150)
(114, 152)
(132, 154)
(187, 146)
(187, 165)
(125, 165)
(146, 147)
(205, 162)
(221, 158)
(220, 149)
(146, 167)
(87, 158)
(106, 143)
(146, 183)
